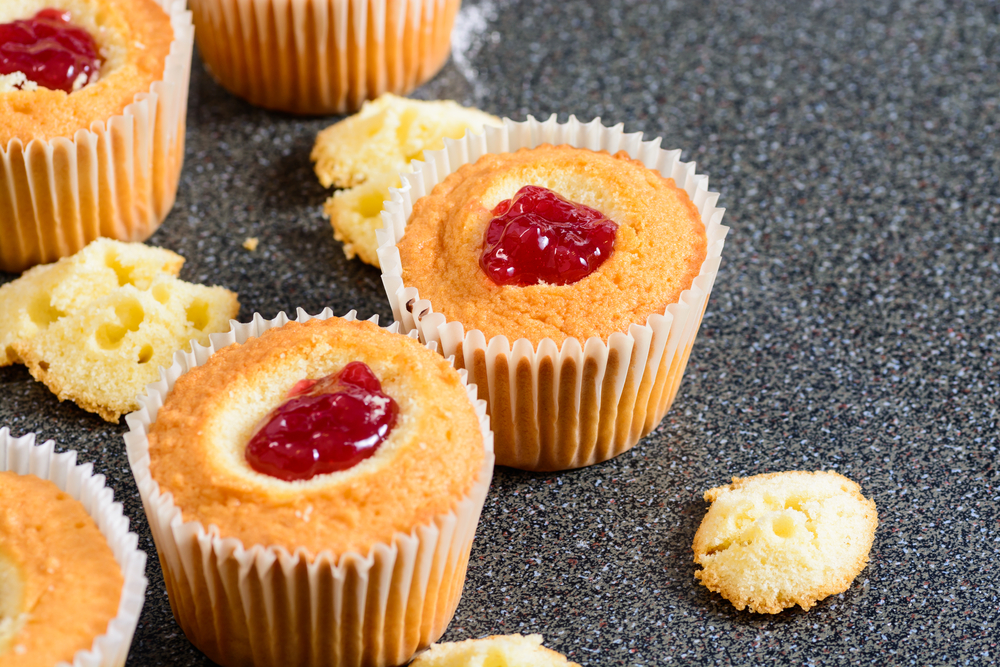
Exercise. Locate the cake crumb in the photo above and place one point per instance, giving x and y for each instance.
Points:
(251, 243)
(772, 541)
(367, 151)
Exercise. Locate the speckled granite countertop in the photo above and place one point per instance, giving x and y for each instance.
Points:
(854, 325)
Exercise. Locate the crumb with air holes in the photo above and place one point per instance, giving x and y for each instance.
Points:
(365, 153)
(95, 327)
(772, 541)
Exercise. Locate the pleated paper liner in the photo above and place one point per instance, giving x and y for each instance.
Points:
(116, 179)
(322, 56)
(23, 457)
(254, 605)
(555, 408)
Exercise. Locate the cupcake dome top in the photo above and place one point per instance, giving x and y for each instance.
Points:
(659, 246)
(59, 582)
(133, 38)
(428, 462)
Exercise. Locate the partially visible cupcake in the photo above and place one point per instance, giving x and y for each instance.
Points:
(71, 579)
(92, 118)
(313, 489)
(322, 56)
(569, 279)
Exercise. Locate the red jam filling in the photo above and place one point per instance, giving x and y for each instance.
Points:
(49, 50)
(539, 237)
(323, 426)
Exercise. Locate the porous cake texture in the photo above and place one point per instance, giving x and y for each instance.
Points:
(365, 152)
(776, 540)
(95, 327)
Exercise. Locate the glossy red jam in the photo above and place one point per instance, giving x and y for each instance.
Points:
(539, 237)
(323, 426)
(49, 50)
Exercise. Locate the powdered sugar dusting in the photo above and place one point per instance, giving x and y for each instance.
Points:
(467, 40)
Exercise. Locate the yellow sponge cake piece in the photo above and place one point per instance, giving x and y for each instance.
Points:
(772, 541)
(49, 292)
(355, 214)
(367, 151)
(386, 134)
(102, 357)
(495, 651)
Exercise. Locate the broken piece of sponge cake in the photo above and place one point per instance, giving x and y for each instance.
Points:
(96, 327)
(772, 541)
(365, 152)
(45, 293)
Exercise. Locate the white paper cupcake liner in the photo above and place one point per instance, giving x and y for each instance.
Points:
(261, 605)
(322, 56)
(116, 179)
(555, 408)
(23, 457)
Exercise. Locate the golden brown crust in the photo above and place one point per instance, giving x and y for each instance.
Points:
(427, 464)
(772, 541)
(659, 248)
(55, 545)
(140, 30)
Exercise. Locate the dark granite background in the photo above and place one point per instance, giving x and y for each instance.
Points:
(854, 324)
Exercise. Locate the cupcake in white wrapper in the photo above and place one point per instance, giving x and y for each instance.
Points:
(557, 407)
(322, 56)
(23, 457)
(257, 604)
(64, 183)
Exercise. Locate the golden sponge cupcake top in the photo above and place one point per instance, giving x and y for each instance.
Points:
(776, 540)
(658, 250)
(428, 462)
(59, 581)
(133, 38)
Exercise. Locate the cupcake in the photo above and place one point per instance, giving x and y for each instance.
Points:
(313, 488)
(91, 122)
(322, 56)
(567, 268)
(71, 578)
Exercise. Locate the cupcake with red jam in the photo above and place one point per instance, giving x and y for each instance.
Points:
(313, 488)
(567, 267)
(93, 98)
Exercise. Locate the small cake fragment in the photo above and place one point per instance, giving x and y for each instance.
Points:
(772, 541)
(95, 327)
(49, 292)
(355, 215)
(494, 651)
(250, 243)
(367, 151)
(101, 357)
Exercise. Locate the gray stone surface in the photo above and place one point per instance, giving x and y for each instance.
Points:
(854, 325)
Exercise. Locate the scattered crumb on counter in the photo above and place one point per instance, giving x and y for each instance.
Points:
(251, 243)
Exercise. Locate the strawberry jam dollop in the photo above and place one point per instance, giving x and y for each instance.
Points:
(50, 51)
(323, 426)
(538, 236)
